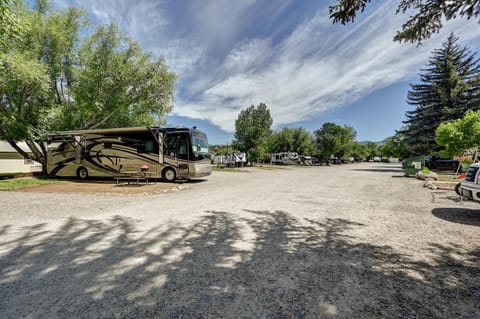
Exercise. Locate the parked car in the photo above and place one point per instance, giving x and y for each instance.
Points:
(435, 162)
(335, 160)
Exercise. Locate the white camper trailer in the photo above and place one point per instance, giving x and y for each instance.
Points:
(236, 159)
(239, 158)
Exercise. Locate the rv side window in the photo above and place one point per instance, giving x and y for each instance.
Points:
(145, 147)
(148, 146)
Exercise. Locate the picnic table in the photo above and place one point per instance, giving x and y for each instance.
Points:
(135, 178)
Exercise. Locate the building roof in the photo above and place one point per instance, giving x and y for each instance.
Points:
(124, 129)
(5, 147)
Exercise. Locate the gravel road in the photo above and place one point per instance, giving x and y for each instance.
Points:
(347, 241)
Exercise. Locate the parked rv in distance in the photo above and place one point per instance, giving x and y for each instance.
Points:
(284, 158)
(305, 160)
(236, 159)
(169, 153)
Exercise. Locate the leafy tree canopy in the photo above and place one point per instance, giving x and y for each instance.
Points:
(51, 79)
(395, 146)
(426, 20)
(359, 151)
(459, 135)
(117, 85)
(252, 129)
(291, 140)
(371, 150)
(11, 26)
(332, 139)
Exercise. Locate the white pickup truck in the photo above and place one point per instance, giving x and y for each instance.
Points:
(470, 187)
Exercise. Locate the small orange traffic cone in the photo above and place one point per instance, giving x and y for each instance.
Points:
(461, 176)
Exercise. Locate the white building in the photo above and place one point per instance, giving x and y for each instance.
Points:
(12, 162)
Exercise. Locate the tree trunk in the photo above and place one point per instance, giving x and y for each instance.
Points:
(38, 152)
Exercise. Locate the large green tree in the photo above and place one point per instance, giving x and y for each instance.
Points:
(450, 86)
(371, 150)
(427, 19)
(252, 129)
(116, 85)
(394, 146)
(359, 151)
(11, 26)
(29, 72)
(50, 79)
(333, 139)
(347, 141)
(459, 135)
(291, 140)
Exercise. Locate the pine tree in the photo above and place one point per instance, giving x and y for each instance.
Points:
(450, 86)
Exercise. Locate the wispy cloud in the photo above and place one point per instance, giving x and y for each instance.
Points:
(316, 68)
(231, 54)
(143, 20)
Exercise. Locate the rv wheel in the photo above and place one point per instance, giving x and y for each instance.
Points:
(169, 175)
(458, 189)
(82, 173)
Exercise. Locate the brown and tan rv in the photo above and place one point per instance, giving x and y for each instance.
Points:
(167, 153)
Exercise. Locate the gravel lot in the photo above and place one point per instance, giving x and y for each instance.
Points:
(348, 241)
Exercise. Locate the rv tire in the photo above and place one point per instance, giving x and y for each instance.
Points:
(458, 189)
(82, 173)
(169, 175)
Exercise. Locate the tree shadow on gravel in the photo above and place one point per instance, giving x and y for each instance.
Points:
(269, 265)
(458, 215)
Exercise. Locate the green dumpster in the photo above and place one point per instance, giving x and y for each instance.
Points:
(413, 164)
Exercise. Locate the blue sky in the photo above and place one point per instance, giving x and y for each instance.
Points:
(286, 53)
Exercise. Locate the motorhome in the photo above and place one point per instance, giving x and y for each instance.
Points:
(284, 158)
(170, 153)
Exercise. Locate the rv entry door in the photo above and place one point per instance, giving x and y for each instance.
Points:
(183, 155)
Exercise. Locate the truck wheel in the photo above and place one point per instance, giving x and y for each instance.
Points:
(169, 175)
(458, 190)
(82, 173)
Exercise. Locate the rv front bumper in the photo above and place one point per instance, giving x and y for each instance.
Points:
(470, 190)
(200, 170)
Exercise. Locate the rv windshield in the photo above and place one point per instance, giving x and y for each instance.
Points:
(199, 143)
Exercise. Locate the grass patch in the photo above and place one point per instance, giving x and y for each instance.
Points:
(16, 183)
(447, 178)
